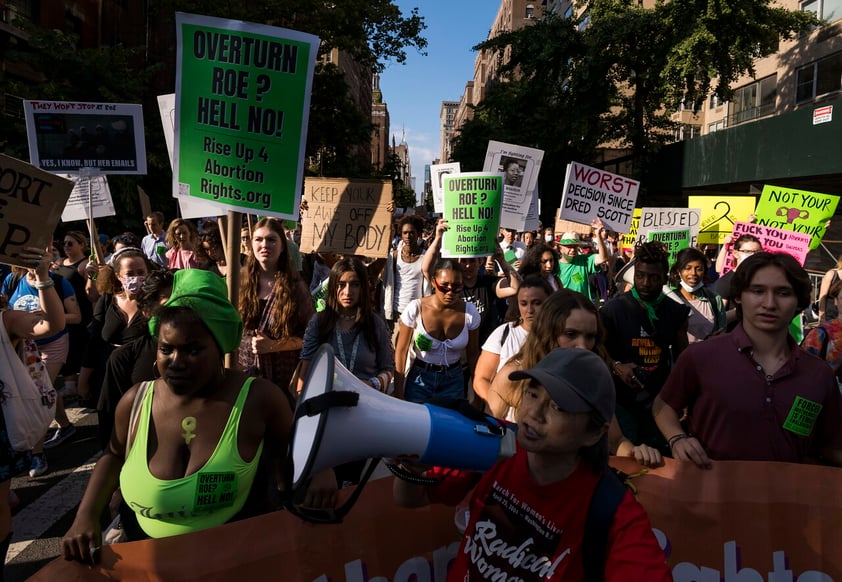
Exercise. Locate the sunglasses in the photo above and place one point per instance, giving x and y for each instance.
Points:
(448, 288)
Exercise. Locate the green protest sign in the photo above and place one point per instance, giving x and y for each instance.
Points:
(242, 106)
(675, 240)
(796, 210)
(472, 209)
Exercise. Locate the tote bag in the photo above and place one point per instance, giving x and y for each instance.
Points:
(27, 394)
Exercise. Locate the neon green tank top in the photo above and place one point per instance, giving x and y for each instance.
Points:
(207, 498)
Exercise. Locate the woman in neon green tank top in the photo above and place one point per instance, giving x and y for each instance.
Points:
(188, 461)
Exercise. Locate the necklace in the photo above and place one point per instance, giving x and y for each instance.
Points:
(188, 424)
(348, 317)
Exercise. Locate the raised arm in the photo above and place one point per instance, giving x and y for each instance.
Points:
(431, 257)
(51, 319)
(602, 255)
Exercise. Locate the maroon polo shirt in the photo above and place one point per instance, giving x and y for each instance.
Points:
(738, 413)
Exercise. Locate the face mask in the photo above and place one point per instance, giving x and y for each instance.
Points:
(690, 289)
(132, 284)
(548, 238)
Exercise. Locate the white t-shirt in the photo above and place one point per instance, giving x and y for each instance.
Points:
(508, 347)
(409, 281)
(441, 353)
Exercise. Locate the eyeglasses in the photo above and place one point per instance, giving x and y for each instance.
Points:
(448, 288)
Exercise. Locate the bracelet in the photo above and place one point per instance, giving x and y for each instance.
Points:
(614, 367)
(375, 382)
(677, 437)
(46, 285)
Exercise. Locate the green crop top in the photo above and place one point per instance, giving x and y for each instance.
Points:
(207, 498)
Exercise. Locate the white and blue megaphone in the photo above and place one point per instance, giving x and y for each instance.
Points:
(340, 419)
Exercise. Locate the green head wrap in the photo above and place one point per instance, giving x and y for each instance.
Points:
(204, 292)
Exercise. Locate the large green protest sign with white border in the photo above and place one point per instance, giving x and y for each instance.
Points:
(472, 210)
(242, 107)
(796, 210)
(674, 240)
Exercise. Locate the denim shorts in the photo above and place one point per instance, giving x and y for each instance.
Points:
(423, 385)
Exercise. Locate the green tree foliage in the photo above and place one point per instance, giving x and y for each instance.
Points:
(612, 77)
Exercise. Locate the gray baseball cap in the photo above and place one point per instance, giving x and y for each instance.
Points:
(578, 381)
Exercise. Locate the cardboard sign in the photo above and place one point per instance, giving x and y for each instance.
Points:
(242, 107)
(562, 226)
(669, 219)
(674, 240)
(437, 174)
(628, 240)
(89, 194)
(773, 240)
(796, 210)
(719, 213)
(736, 522)
(347, 217)
(31, 202)
(591, 193)
(519, 167)
(472, 211)
(65, 136)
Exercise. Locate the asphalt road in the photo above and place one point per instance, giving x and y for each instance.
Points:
(48, 503)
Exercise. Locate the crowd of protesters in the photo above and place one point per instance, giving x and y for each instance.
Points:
(153, 312)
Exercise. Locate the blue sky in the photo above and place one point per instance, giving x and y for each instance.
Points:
(414, 91)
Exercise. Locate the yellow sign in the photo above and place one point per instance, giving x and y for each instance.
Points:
(719, 213)
(627, 241)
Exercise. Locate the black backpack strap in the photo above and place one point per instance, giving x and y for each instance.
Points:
(606, 499)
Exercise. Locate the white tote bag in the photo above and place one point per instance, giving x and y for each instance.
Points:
(28, 396)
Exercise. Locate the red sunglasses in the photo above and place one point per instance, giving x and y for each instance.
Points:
(448, 288)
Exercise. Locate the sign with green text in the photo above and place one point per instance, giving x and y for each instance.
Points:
(674, 240)
(242, 107)
(796, 210)
(472, 210)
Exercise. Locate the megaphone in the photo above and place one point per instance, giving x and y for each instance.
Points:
(340, 419)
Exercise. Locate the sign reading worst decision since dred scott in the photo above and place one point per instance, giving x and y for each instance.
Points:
(472, 210)
(242, 105)
(591, 193)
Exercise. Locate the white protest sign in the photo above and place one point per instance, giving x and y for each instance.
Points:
(669, 219)
(591, 193)
(189, 207)
(519, 166)
(78, 204)
(437, 174)
(532, 219)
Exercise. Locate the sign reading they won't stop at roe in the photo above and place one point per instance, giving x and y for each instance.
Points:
(591, 193)
(472, 210)
(242, 106)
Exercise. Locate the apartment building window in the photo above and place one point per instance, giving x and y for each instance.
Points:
(717, 126)
(687, 131)
(755, 100)
(714, 101)
(819, 78)
(568, 12)
(829, 10)
(530, 11)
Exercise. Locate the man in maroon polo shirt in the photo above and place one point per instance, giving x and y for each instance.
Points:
(753, 394)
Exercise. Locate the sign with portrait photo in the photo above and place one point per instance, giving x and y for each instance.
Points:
(519, 167)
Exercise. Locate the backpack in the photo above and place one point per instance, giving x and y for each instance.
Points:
(606, 499)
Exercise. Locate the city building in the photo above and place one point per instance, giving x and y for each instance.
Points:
(380, 126)
(447, 115)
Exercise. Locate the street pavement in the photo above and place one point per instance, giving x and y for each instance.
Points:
(48, 503)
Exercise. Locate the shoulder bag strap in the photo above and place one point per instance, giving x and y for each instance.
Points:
(135, 414)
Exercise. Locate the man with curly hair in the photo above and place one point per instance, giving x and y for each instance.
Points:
(645, 333)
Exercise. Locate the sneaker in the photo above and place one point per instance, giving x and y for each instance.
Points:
(60, 435)
(38, 466)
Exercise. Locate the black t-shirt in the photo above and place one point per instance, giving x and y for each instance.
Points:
(722, 286)
(631, 337)
(483, 297)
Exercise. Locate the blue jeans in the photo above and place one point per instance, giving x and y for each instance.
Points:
(423, 385)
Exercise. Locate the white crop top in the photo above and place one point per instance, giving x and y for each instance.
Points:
(442, 353)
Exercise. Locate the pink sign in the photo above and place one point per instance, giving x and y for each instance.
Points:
(773, 240)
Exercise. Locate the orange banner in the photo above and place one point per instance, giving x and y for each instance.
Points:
(738, 522)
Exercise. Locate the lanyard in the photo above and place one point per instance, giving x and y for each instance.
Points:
(340, 345)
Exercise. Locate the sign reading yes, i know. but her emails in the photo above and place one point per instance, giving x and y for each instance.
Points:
(242, 106)
(591, 193)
